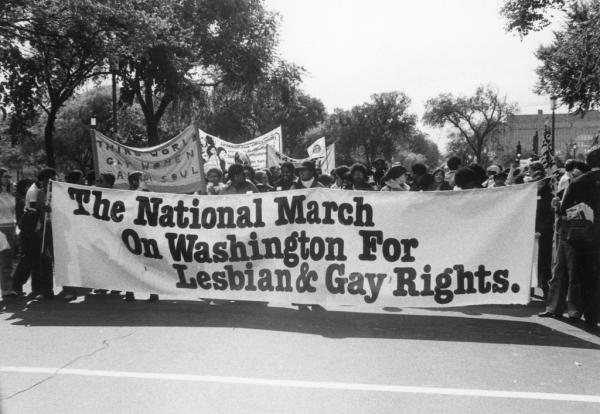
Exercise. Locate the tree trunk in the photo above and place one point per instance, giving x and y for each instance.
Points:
(152, 129)
(49, 138)
(478, 156)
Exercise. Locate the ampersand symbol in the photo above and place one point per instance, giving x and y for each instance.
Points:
(303, 281)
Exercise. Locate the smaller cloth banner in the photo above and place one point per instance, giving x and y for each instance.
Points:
(317, 149)
(276, 158)
(327, 164)
(221, 154)
(174, 166)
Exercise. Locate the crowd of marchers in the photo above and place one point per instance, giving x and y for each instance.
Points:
(567, 220)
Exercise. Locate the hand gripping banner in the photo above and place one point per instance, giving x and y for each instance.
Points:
(174, 166)
(334, 248)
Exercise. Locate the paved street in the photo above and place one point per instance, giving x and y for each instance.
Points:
(102, 354)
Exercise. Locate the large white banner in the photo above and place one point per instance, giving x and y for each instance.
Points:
(219, 153)
(317, 246)
(173, 166)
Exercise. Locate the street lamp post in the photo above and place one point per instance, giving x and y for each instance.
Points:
(553, 99)
(93, 122)
(114, 67)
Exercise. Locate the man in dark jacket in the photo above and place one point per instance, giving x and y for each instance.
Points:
(580, 279)
(586, 189)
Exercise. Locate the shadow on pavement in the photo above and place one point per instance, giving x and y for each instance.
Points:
(110, 311)
(518, 311)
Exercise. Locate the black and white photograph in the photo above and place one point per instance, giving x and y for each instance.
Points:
(317, 206)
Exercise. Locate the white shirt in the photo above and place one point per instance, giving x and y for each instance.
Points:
(32, 195)
(564, 181)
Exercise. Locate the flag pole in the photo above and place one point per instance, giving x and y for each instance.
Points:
(326, 157)
(203, 189)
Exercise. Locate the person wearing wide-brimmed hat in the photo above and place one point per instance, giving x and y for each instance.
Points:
(307, 178)
(395, 179)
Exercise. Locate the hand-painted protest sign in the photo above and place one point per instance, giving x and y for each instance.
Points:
(316, 246)
(219, 153)
(173, 166)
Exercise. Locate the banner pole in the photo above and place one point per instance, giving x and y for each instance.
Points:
(326, 162)
(45, 224)
(200, 160)
(94, 153)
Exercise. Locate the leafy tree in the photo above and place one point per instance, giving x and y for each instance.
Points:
(49, 49)
(275, 100)
(174, 49)
(571, 63)
(457, 146)
(478, 118)
(73, 140)
(426, 148)
(374, 129)
(524, 16)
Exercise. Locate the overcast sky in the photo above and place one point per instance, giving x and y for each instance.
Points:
(352, 49)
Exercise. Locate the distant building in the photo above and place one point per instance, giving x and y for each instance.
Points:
(572, 133)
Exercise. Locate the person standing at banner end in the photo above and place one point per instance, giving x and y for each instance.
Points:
(32, 234)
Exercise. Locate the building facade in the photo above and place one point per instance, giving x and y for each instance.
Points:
(572, 133)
